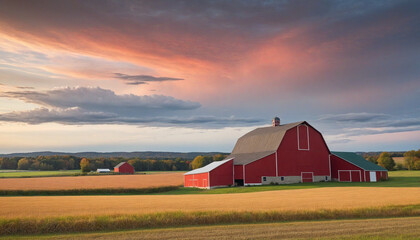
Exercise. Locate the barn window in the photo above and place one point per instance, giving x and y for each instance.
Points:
(326, 178)
(303, 137)
(264, 179)
(282, 178)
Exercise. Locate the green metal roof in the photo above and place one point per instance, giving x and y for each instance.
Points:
(358, 161)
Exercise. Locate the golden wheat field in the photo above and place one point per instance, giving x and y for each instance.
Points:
(308, 199)
(93, 182)
(395, 228)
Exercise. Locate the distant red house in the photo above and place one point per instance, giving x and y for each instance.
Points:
(124, 167)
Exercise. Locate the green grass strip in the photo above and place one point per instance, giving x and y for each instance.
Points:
(77, 224)
(74, 192)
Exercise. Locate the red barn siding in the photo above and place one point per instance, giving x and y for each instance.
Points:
(367, 176)
(381, 175)
(265, 166)
(239, 172)
(197, 180)
(292, 162)
(356, 176)
(222, 175)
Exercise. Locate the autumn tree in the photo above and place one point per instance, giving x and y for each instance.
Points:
(409, 158)
(200, 161)
(23, 164)
(84, 165)
(385, 160)
(219, 157)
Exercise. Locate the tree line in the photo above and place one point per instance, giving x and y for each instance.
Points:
(72, 162)
(385, 159)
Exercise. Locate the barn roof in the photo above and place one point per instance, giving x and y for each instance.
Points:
(259, 143)
(359, 161)
(208, 167)
(120, 164)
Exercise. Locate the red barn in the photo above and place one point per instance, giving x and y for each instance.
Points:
(289, 153)
(215, 174)
(124, 167)
(350, 167)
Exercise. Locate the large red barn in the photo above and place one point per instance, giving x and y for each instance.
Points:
(124, 167)
(289, 153)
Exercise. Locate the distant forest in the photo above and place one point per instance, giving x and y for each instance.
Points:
(164, 161)
(68, 162)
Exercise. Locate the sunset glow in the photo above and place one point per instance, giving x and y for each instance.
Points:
(196, 75)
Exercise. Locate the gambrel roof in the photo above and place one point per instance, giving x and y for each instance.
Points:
(260, 143)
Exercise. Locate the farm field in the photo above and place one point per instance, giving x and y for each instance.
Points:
(285, 200)
(92, 182)
(389, 228)
(141, 181)
(20, 173)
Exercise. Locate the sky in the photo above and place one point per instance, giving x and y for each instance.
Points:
(196, 75)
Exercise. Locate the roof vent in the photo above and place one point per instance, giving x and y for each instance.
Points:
(276, 121)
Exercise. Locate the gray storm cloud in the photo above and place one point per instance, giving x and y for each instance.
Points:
(83, 105)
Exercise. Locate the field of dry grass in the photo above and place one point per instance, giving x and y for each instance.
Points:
(292, 200)
(394, 228)
(93, 182)
(399, 160)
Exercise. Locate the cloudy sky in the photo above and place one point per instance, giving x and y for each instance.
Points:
(196, 75)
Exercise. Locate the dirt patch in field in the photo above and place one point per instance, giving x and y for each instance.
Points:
(93, 182)
(292, 200)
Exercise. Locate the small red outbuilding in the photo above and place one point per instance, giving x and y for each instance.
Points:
(215, 174)
(351, 167)
(124, 167)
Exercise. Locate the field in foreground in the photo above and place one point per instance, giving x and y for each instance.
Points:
(93, 182)
(308, 199)
(382, 228)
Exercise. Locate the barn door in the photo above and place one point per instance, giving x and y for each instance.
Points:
(344, 176)
(307, 176)
(373, 176)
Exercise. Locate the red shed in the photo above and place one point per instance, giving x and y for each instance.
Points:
(351, 167)
(289, 153)
(124, 167)
(215, 174)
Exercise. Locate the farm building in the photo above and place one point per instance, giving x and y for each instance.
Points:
(124, 167)
(103, 170)
(215, 174)
(350, 167)
(289, 153)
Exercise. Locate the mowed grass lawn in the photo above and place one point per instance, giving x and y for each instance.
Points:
(369, 229)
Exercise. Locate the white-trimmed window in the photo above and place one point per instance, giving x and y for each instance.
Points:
(303, 137)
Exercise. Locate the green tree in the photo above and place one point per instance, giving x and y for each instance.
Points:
(84, 165)
(23, 164)
(385, 160)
